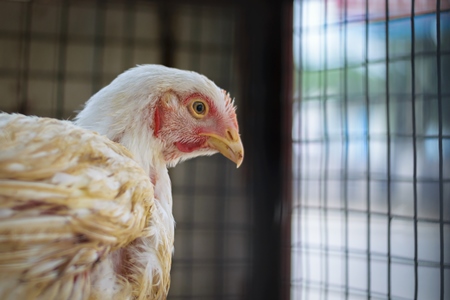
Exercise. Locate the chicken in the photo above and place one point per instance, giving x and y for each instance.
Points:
(68, 198)
(89, 216)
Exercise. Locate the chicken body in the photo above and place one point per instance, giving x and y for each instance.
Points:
(71, 201)
(84, 217)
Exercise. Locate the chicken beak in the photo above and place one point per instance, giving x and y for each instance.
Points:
(230, 146)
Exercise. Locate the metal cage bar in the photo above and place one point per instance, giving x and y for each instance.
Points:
(413, 117)
(388, 151)
(441, 155)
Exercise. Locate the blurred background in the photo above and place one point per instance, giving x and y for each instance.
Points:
(344, 111)
(371, 150)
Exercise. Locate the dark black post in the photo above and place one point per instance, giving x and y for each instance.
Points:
(264, 61)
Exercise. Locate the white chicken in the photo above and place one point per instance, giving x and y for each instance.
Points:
(83, 217)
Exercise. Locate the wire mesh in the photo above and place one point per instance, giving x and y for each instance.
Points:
(55, 54)
(371, 204)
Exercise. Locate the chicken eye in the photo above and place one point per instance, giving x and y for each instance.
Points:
(198, 109)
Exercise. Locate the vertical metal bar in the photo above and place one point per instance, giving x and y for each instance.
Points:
(304, 212)
(165, 17)
(224, 186)
(191, 171)
(388, 148)
(99, 44)
(304, 218)
(22, 87)
(128, 37)
(299, 158)
(327, 150)
(220, 228)
(196, 48)
(322, 167)
(414, 138)
(345, 152)
(441, 154)
(62, 54)
(368, 176)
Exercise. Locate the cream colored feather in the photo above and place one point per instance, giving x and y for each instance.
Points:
(71, 202)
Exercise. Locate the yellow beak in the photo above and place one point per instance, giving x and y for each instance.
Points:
(230, 146)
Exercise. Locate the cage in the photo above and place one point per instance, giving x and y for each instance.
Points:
(343, 107)
(370, 206)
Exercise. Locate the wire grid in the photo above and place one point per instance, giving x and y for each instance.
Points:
(55, 54)
(371, 150)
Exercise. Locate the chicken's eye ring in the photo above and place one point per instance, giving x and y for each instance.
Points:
(198, 108)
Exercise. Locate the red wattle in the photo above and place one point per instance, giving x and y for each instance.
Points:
(156, 122)
(187, 147)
